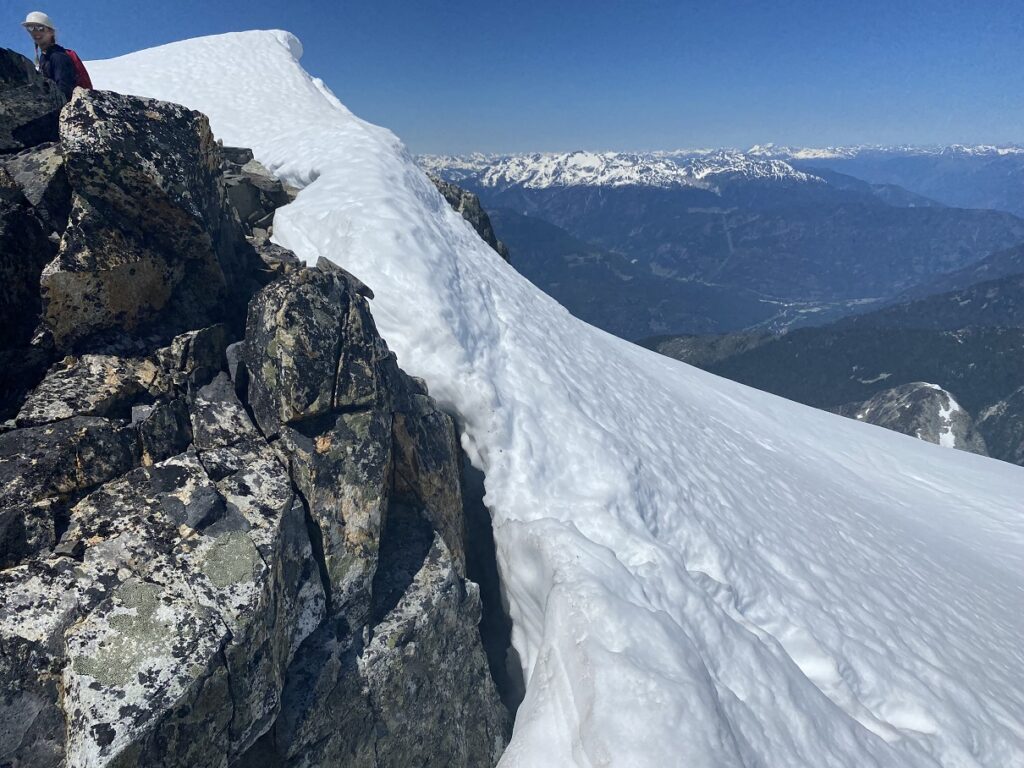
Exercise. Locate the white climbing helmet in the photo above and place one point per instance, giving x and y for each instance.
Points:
(38, 18)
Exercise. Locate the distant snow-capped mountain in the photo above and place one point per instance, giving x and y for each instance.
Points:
(692, 168)
(902, 150)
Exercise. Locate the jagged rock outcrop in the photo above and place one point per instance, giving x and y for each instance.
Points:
(25, 250)
(39, 171)
(222, 544)
(31, 104)
(921, 410)
(375, 462)
(253, 191)
(469, 206)
(1002, 426)
(150, 242)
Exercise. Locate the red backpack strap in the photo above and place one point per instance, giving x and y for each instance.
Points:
(82, 79)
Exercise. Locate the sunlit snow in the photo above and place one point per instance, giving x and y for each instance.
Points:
(699, 574)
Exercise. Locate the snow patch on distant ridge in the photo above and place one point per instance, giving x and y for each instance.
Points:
(690, 168)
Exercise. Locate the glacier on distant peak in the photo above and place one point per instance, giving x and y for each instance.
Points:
(669, 168)
(691, 168)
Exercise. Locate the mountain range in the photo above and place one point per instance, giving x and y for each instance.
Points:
(716, 241)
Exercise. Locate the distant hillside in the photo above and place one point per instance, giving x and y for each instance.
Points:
(992, 303)
(968, 177)
(720, 241)
(970, 343)
(621, 295)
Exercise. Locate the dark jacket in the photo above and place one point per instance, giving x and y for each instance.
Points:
(55, 64)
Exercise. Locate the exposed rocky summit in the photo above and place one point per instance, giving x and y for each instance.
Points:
(150, 241)
(924, 411)
(223, 541)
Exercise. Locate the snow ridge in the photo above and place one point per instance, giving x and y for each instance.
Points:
(693, 168)
(854, 151)
(698, 573)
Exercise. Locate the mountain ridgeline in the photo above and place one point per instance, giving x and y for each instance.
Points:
(678, 242)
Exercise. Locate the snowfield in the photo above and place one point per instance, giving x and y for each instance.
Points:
(699, 574)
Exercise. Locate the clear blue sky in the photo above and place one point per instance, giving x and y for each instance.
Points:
(457, 76)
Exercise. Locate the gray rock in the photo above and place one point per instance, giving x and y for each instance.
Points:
(280, 261)
(468, 204)
(311, 349)
(218, 419)
(252, 190)
(921, 410)
(428, 470)
(92, 385)
(151, 242)
(43, 470)
(141, 242)
(39, 601)
(39, 172)
(171, 639)
(31, 104)
(164, 430)
(388, 698)
(24, 252)
(424, 662)
(194, 358)
(343, 471)
(183, 583)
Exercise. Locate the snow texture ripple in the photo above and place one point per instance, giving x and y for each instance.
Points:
(699, 574)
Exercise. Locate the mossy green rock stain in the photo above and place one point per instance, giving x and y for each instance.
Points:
(231, 560)
(140, 635)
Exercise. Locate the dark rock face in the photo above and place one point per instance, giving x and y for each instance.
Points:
(924, 411)
(218, 549)
(374, 460)
(1002, 426)
(290, 382)
(43, 469)
(39, 172)
(469, 206)
(253, 192)
(24, 251)
(150, 240)
(31, 104)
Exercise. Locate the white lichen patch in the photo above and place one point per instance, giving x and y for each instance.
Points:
(141, 651)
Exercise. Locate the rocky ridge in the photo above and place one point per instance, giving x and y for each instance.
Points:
(921, 410)
(231, 528)
(468, 204)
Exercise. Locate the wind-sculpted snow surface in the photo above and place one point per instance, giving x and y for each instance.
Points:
(699, 574)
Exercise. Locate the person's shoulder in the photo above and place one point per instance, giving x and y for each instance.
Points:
(54, 50)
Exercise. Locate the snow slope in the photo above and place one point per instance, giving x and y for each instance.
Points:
(699, 574)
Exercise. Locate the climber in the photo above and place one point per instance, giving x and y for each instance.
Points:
(55, 62)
